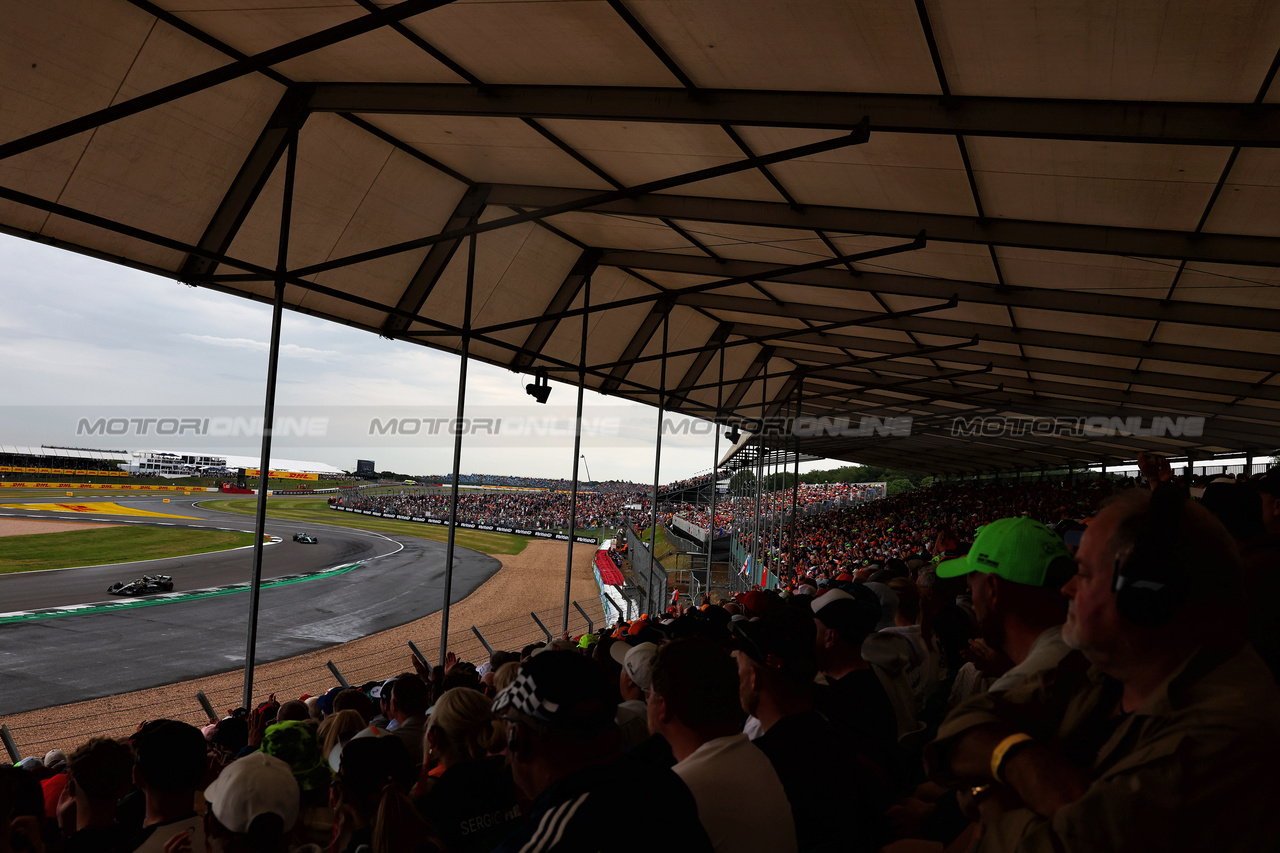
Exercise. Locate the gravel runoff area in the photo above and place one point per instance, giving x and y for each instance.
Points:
(23, 526)
(530, 581)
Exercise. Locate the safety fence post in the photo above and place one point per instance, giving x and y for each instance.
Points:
(9, 745)
(207, 706)
(488, 648)
(540, 625)
(336, 674)
(591, 626)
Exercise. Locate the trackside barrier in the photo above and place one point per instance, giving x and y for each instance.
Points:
(540, 625)
(106, 486)
(207, 705)
(337, 674)
(467, 525)
(9, 746)
(647, 570)
(224, 691)
(488, 648)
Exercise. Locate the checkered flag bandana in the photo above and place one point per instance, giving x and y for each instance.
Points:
(522, 695)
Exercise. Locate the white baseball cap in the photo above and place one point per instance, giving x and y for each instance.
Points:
(250, 787)
(637, 662)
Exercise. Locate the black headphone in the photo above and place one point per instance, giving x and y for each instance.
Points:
(1149, 584)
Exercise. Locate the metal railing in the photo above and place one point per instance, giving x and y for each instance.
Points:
(92, 719)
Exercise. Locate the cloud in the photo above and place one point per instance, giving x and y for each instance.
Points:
(79, 331)
(286, 350)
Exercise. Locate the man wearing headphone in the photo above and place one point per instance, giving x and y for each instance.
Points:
(1160, 733)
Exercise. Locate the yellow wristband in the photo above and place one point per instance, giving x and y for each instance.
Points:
(1002, 749)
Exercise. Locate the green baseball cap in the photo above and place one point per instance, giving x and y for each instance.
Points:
(1018, 549)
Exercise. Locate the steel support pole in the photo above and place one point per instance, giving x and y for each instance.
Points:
(657, 457)
(268, 417)
(577, 453)
(772, 523)
(755, 524)
(457, 448)
(715, 469)
(795, 486)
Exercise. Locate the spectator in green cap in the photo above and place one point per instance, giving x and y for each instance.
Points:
(1016, 570)
(295, 743)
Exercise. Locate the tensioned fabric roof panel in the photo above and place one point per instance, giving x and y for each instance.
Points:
(941, 210)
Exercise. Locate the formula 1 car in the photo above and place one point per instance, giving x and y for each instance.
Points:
(143, 585)
(305, 538)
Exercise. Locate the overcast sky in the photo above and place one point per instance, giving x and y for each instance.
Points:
(82, 338)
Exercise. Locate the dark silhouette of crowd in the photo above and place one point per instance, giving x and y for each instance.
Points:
(1000, 667)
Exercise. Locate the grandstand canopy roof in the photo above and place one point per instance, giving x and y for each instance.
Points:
(64, 452)
(884, 208)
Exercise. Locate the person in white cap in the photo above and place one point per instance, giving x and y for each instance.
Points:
(633, 684)
(252, 806)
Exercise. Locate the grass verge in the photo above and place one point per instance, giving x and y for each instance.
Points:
(35, 551)
(316, 511)
(671, 559)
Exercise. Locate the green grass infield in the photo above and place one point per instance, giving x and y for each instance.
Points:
(35, 551)
(316, 511)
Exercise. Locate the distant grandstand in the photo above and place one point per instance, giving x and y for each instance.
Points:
(47, 460)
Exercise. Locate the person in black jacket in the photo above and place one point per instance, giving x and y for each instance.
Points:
(563, 748)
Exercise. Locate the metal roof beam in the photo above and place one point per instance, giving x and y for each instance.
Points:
(748, 376)
(935, 429)
(1173, 381)
(1226, 429)
(782, 334)
(594, 199)
(798, 355)
(766, 274)
(1218, 124)
(1050, 236)
(415, 295)
(635, 346)
(1068, 342)
(569, 290)
(1085, 395)
(987, 293)
(699, 365)
(289, 115)
(242, 67)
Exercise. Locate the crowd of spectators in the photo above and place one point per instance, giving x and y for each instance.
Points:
(526, 509)
(916, 525)
(1023, 682)
(546, 483)
(738, 511)
(696, 482)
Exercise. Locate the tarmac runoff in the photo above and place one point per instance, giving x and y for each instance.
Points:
(52, 660)
(168, 597)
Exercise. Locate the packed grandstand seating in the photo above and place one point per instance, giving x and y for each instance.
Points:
(555, 484)
(736, 512)
(55, 463)
(535, 510)
(884, 693)
(549, 510)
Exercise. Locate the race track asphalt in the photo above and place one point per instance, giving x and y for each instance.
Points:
(59, 659)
